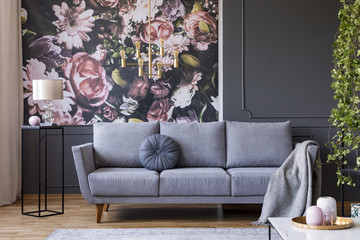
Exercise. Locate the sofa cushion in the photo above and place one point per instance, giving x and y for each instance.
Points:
(257, 144)
(117, 182)
(250, 181)
(159, 152)
(201, 144)
(117, 144)
(194, 182)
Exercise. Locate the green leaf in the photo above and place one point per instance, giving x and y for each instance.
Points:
(202, 113)
(115, 76)
(98, 117)
(345, 117)
(204, 27)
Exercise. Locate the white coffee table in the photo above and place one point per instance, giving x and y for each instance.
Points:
(289, 232)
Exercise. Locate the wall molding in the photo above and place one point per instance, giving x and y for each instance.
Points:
(243, 84)
(221, 61)
(65, 186)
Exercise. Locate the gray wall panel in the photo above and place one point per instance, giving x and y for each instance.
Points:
(287, 59)
(288, 48)
(72, 136)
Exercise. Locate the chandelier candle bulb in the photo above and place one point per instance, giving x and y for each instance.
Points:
(137, 46)
(176, 60)
(123, 61)
(176, 63)
(141, 65)
(161, 41)
(159, 64)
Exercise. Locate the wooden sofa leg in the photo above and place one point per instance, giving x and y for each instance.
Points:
(106, 207)
(99, 211)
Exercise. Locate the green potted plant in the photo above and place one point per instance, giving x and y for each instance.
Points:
(345, 117)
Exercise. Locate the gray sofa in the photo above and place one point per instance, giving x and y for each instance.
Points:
(220, 163)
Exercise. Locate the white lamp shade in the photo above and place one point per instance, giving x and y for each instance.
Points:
(47, 89)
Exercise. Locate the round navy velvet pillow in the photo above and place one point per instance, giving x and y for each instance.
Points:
(159, 152)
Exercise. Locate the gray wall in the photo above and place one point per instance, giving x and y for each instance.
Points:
(277, 63)
(283, 73)
(73, 135)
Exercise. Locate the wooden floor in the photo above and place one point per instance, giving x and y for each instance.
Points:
(80, 214)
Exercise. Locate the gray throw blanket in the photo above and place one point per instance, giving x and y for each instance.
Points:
(293, 187)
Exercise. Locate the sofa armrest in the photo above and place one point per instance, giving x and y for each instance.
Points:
(313, 153)
(85, 164)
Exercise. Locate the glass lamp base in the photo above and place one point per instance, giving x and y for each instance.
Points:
(48, 117)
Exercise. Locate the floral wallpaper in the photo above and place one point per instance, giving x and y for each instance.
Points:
(79, 41)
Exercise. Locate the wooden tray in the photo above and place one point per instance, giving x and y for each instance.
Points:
(341, 223)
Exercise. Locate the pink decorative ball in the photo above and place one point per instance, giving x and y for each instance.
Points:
(34, 120)
(314, 216)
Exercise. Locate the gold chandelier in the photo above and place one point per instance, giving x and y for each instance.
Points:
(141, 63)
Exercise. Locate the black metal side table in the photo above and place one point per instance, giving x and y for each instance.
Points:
(45, 212)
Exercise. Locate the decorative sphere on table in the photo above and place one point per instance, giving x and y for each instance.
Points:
(314, 216)
(34, 121)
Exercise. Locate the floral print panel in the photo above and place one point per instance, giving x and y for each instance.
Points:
(79, 42)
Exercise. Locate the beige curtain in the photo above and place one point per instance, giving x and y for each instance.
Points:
(10, 101)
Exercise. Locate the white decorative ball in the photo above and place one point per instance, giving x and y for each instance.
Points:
(34, 121)
(314, 216)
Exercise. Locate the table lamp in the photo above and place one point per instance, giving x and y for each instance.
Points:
(47, 89)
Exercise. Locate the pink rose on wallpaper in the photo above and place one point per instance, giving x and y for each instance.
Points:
(160, 110)
(160, 89)
(160, 28)
(88, 80)
(108, 110)
(122, 4)
(108, 3)
(139, 88)
(202, 29)
(109, 113)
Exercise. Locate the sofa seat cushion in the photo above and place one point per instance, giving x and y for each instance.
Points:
(194, 182)
(117, 144)
(201, 144)
(118, 182)
(252, 144)
(250, 181)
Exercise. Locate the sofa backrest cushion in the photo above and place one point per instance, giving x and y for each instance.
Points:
(257, 144)
(201, 144)
(117, 144)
